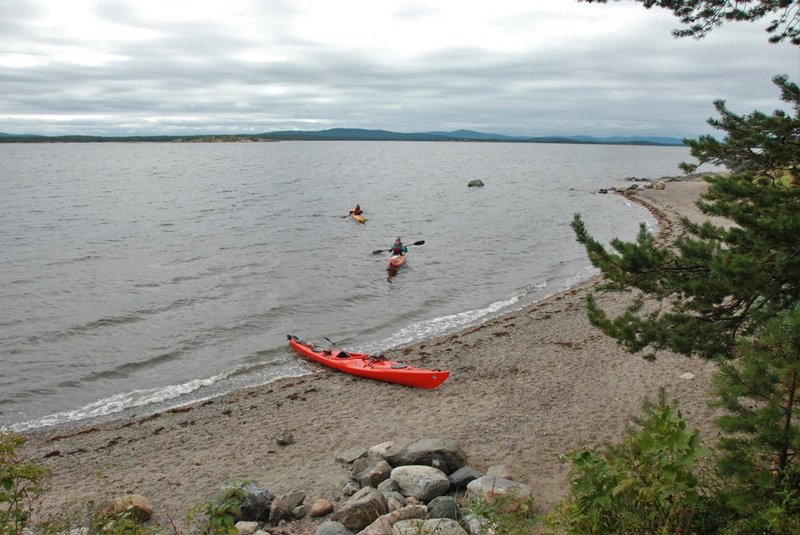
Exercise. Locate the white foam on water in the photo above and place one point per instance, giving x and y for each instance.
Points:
(441, 325)
(119, 403)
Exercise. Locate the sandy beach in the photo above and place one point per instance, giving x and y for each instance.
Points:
(523, 388)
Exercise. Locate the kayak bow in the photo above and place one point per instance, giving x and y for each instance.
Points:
(395, 261)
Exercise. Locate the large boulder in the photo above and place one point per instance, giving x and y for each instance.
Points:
(383, 524)
(361, 509)
(283, 508)
(443, 507)
(370, 471)
(378, 451)
(320, 507)
(428, 451)
(421, 482)
(374, 474)
(461, 477)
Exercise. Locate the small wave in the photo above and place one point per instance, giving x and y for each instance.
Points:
(73, 260)
(437, 326)
(126, 369)
(172, 396)
(119, 403)
(114, 321)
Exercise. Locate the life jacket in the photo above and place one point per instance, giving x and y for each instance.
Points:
(397, 249)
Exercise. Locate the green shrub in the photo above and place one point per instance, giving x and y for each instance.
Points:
(507, 515)
(644, 485)
(21, 482)
(218, 516)
(86, 516)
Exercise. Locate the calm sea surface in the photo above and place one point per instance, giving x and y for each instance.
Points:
(145, 275)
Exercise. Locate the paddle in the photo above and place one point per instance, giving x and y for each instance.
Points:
(336, 346)
(351, 214)
(378, 251)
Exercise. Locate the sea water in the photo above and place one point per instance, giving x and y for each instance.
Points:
(143, 275)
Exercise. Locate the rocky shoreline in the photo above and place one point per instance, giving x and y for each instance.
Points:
(523, 388)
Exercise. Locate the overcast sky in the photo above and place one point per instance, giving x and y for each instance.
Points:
(530, 67)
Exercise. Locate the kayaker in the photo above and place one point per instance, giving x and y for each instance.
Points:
(356, 210)
(397, 247)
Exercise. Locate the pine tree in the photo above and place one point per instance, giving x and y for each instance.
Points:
(730, 293)
(701, 16)
(717, 283)
(759, 390)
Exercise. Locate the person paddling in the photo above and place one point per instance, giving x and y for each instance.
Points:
(357, 210)
(398, 248)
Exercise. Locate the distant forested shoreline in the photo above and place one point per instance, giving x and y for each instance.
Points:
(343, 134)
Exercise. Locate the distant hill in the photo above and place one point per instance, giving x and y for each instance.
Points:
(355, 134)
(18, 135)
(460, 135)
(630, 139)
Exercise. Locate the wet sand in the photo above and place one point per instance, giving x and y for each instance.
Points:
(523, 388)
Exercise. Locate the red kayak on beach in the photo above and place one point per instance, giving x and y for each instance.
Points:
(375, 367)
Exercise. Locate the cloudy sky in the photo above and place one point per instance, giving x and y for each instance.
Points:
(555, 67)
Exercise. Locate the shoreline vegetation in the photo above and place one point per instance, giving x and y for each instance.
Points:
(346, 134)
(524, 388)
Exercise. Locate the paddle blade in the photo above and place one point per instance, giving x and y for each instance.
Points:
(420, 242)
(378, 251)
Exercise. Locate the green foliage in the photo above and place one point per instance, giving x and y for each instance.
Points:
(760, 392)
(712, 285)
(761, 145)
(701, 16)
(718, 282)
(218, 516)
(21, 482)
(91, 520)
(730, 293)
(507, 515)
(646, 484)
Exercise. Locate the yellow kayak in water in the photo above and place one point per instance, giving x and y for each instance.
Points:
(358, 217)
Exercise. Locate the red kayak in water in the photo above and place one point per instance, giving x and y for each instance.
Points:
(370, 366)
(395, 261)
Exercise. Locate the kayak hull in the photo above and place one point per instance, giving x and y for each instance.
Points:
(360, 218)
(396, 261)
(370, 366)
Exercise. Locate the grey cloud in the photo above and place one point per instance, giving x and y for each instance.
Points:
(639, 81)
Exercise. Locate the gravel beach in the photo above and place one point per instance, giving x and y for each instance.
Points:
(523, 388)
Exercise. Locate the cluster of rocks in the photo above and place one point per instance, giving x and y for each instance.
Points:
(419, 487)
(646, 183)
